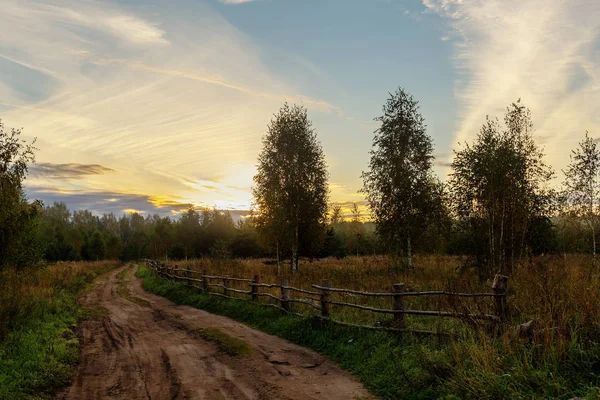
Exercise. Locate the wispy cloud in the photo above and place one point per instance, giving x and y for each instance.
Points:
(169, 102)
(543, 51)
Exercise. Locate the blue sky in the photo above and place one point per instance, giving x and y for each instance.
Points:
(155, 105)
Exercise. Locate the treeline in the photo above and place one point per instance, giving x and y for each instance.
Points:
(61, 235)
(499, 204)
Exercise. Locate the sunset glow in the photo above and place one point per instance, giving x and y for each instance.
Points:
(150, 107)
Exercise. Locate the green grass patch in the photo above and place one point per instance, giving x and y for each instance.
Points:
(39, 353)
(124, 292)
(225, 343)
(407, 367)
(123, 274)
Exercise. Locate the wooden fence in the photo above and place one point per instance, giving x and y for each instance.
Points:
(319, 299)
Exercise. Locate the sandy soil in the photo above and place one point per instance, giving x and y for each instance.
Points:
(151, 349)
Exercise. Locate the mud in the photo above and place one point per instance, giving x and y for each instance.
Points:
(149, 350)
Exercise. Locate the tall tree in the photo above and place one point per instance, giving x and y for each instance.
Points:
(499, 185)
(399, 184)
(581, 185)
(291, 184)
(17, 216)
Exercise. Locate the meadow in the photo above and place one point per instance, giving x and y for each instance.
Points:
(39, 314)
(560, 358)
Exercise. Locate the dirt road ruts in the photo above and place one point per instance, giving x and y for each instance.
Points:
(145, 347)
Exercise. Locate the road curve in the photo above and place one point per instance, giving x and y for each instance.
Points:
(142, 346)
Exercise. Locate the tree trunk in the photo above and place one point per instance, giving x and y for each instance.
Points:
(294, 263)
(278, 263)
(594, 245)
(592, 223)
(408, 254)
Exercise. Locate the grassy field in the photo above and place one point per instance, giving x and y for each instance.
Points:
(38, 319)
(562, 294)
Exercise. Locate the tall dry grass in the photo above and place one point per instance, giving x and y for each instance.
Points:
(559, 358)
(560, 293)
(23, 291)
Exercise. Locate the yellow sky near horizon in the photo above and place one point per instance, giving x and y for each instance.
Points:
(155, 107)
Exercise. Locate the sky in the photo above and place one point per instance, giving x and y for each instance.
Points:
(154, 106)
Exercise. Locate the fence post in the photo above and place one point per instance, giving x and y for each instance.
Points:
(188, 272)
(325, 299)
(204, 281)
(398, 289)
(500, 287)
(254, 289)
(226, 288)
(285, 295)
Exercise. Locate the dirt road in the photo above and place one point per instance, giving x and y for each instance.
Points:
(142, 346)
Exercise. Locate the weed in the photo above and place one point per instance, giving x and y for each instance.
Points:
(225, 343)
(39, 349)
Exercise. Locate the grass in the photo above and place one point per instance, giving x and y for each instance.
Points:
(225, 343)
(124, 292)
(40, 313)
(477, 363)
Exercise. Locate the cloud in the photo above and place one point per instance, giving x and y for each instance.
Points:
(136, 30)
(106, 202)
(543, 51)
(313, 104)
(170, 100)
(67, 171)
(27, 82)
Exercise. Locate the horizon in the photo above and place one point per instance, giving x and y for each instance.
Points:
(155, 108)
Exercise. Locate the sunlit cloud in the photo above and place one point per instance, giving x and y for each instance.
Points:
(542, 51)
(174, 107)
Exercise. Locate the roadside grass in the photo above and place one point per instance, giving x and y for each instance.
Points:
(475, 364)
(40, 313)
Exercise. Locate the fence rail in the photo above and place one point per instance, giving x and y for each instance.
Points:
(321, 300)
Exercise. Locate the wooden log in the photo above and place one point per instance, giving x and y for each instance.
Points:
(254, 287)
(285, 295)
(204, 281)
(398, 289)
(226, 287)
(500, 288)
(189, 275)
(325, 299)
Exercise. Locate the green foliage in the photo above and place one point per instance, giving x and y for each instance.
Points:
(177, 252)
(291, 185)
(582, 185)
(39, 351)
(498, 186)
(17, 216)
(225, 343)
(399, 184)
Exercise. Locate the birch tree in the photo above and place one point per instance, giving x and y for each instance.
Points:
(399, 183)
(290, 190)
(499, 185)
(581, 185)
